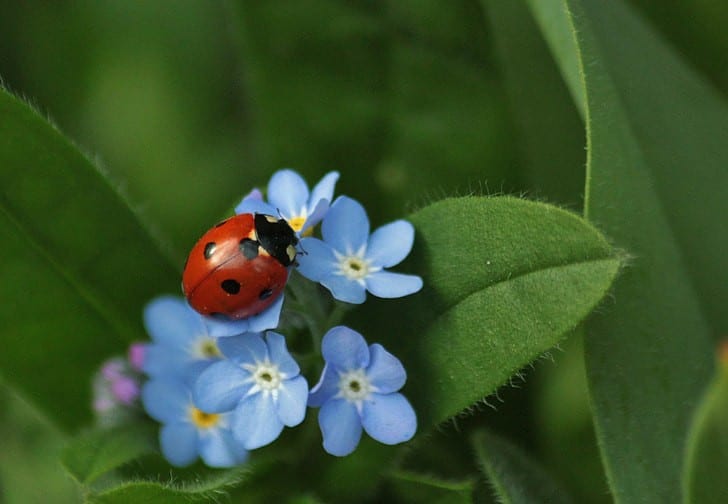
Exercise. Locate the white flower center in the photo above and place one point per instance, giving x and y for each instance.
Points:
(265, 375)
(354, 266)
(354, 386)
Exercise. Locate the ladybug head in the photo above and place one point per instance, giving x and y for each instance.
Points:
(277, 238)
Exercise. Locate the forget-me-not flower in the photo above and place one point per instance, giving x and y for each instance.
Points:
(182, 346)
(289, 197)
(350, 262)
(359, 389)
(259, 382)
(187, 431)
(184, 342)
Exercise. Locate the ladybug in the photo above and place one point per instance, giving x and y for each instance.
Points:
(239, 267)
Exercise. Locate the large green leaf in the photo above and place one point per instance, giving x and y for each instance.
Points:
(514, 477)
(505, 280)
(77, 266)
(656, 135)
(707, 455)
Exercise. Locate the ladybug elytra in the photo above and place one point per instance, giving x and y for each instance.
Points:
(239, 267)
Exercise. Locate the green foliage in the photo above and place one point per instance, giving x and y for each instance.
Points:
(506, 279)
(550, 130)
(707, 451)
(648, 140)
(209, 489)
(77, 265)
(97, 452)
(412, 487)
(514, 477)
(413, 101)
(396, 93)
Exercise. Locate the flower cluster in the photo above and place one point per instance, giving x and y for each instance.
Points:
(116, 387)
(222, 387)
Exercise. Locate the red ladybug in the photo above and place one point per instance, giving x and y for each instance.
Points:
(239, 267)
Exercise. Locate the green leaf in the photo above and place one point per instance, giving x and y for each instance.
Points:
(705, 480)
(77, 266)
(514, 476)
(209, 489)
(656, 135)
(415, 487)
(505, 280)
(94, 453)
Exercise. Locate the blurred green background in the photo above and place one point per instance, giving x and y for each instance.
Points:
(189, 104)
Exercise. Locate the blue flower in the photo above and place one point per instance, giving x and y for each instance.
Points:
(350, 262)
(184, 342)
(288, 195)
(260, 382)
(188, 432)
(358, 388)
(182, 345)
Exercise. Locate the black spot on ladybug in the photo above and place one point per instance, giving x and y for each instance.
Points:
(210, 249)
(249, 248)
(230, 286)
(265, 294)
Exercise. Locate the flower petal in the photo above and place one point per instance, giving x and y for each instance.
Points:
(324, 190)
(221, 326)
(288, 193)
(166, 400)
(279, 354)
(321, 197)
(178, 442)
(346, 226)
(384, 284)
(221, 387)
(268, 318)
(316, 214)
(385, 371)
(253, 203)
(344, 289)
(345, 349)
(165, 361)
(247, 348)
(390, 244)
(169, 320)
(317, 261)
(389, 418)
(292, 399)
(325, 389)
(340, 426)
(256, 422)
(218, 448)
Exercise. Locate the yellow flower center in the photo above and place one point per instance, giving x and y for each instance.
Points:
(297, 223)
(203, 420)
